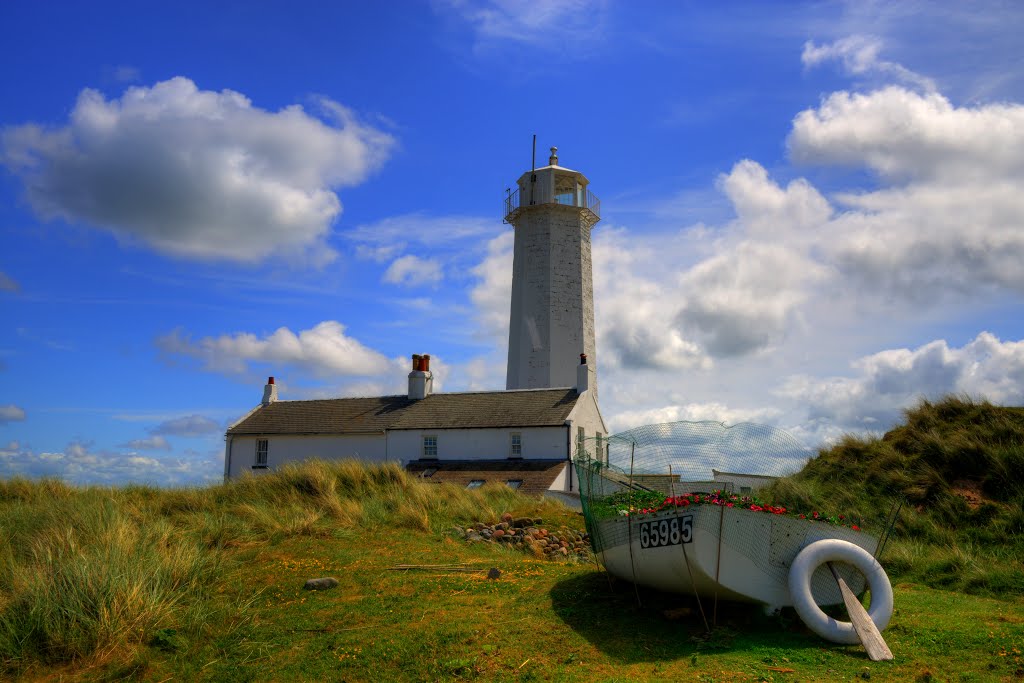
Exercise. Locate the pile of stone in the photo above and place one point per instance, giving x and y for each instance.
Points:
(529, 534)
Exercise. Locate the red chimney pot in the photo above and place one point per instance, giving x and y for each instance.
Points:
(270, 380)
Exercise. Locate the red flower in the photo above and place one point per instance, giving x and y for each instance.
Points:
(855, 527)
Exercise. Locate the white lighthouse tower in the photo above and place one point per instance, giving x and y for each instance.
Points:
(551, 327)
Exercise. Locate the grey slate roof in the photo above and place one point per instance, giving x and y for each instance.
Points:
(470, 410)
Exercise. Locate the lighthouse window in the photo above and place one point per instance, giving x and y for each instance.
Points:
(567, 198)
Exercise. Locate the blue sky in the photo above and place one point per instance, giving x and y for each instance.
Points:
(811, 213)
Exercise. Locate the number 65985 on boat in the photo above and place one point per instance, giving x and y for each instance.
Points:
(673, 531)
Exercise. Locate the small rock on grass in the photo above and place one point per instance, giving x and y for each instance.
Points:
(322, 584)
(493, 573)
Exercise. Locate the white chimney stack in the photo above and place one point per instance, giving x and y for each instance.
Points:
(582, 375)
(269, 392)
(421, 381)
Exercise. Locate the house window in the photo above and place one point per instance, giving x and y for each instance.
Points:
(580, 439)
(745, 490)
(262, 447)
(599, 447)
(514, 483)
(475, 484)
(516, 445)
(430, 447)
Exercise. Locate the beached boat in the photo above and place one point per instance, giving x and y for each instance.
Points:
(707, 539)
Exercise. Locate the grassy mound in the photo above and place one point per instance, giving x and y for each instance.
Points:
(141, 583)
(959, 466)
(90, 574)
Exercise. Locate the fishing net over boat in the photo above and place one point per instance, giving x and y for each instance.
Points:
(745, 456)
(640, 468)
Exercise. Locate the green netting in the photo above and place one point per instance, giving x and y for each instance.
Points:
(643, 466)
(702, 480)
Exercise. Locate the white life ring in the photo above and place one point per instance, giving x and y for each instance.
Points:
(835, 550)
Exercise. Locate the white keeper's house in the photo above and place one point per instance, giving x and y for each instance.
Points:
(524, 436)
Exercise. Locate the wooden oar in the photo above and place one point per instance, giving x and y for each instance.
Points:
(865, 628)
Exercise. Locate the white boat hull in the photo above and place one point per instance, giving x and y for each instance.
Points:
(728, 553)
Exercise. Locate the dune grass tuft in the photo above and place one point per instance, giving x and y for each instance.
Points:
(88, 575)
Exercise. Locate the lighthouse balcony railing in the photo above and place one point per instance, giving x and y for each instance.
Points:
(585, 199)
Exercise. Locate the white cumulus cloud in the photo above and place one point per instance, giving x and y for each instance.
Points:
(493, 290)
(767, 211)
(196, 173)
(423, 249)
(903, 135)
(890, 380)
(681, 300)
(636, 300)
(744, 299)
(951, 216)
(323, 350)
(413, 271)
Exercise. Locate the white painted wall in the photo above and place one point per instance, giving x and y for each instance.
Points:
(287, 448)
(547, 443)
(585, 414)
(477, 444)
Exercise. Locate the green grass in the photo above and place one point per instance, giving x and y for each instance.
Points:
(206, 584)
(553, 621)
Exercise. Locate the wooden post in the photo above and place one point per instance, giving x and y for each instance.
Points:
(865, 628)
